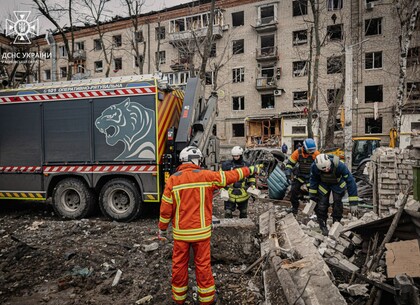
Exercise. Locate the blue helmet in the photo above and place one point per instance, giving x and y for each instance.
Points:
(309, 145)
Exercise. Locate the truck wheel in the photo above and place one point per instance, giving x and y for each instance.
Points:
(120, 200)
(73, 199)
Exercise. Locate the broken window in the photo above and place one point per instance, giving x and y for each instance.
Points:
(238, 75)
(268, 45)
(332, 95)
(373, 94)
(136, 62)
(160, 33)
(300, 37)
(98, 65)
(97, 46)
(300, 7)
(335, 32)
(267, 101)
(117, 63)
(80, 45)
(298, 129)
(63, 72)
(334, 5)
(266, 14)
(47, 74)
(238, 130)
(413, 91)
(373, 26)
(238, 18)
(213, 50)
(209, 78)
(238, 103)
(373, 60)
(413, 56)
(373, 126)
(161, 57)
(267, 72)
(334, 64)
(238, 46)
(138, 36)
(117, 41)
(300, 98)
(299, 68)
(62, 51)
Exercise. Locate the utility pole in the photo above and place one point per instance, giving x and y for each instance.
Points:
(348, 103)
(49, 37)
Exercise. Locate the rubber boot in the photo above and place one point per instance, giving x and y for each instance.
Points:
(323, 227)
(228, 213)
(243, 214)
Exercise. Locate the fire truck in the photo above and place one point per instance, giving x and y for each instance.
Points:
(109, 142)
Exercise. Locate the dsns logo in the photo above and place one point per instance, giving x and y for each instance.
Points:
(22, 27)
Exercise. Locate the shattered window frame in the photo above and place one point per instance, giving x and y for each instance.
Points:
(373, 126)
(238, 130)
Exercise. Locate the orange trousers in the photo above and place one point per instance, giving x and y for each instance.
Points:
(203, 272)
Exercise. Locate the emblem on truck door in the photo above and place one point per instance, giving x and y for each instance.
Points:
(130, 123)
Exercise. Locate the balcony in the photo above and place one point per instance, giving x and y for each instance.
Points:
(79, 55)
(267, 53)
(179, 65)
(266, 24)
(264, 83)
(188, 35)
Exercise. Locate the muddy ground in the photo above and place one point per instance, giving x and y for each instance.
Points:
(45, 260)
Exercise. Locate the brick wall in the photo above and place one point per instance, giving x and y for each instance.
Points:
(392, 172)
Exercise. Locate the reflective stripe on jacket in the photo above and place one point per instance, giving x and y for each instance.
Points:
(237, 191)
(338, 180)
(299, 156)
(187, 200)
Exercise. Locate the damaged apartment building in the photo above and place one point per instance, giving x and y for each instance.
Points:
(259, 64)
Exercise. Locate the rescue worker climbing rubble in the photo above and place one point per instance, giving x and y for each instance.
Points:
(304, 157)
(329, 174)
(187, 201)
(238, 196)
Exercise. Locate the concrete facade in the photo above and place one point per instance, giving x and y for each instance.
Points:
(270, 75)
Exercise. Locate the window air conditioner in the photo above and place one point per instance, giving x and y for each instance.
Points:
(277, 92)
(370, 6)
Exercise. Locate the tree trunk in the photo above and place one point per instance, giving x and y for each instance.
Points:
(407, 29)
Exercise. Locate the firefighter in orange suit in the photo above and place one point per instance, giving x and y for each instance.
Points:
(187, 201)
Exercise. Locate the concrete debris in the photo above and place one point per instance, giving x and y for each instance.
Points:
(144, 300)
(117, 278)
(355, 289)
(150, 247)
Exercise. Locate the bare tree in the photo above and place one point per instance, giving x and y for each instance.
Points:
(54, 12)
(97, 14)
(136, 39)
(407, 11)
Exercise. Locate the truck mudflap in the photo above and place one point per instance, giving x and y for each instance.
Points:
(277, 184)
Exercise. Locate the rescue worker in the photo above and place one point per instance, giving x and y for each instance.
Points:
(304, 157)
(329, 174)
(187, 201)
(238, 196)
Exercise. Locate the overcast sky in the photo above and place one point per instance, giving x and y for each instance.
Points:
(115, 6)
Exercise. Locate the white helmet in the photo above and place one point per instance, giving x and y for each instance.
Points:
(323, 162)
(237, 151)
(191, 154)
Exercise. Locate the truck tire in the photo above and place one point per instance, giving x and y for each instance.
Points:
(73, 199)
(120, 200)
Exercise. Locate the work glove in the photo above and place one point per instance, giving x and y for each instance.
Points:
(354, 210)
(255, 169)
(162, 235)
